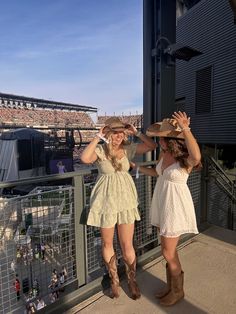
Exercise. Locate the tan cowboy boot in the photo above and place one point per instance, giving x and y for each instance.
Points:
(161, 294)
(132, 283)
(176, 293)
(114, 279)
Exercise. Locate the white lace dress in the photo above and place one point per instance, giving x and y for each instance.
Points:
(172, 208)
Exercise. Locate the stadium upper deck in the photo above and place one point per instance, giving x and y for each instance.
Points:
(16, 101)
(20, 111)
(44, 117)
(25, 111)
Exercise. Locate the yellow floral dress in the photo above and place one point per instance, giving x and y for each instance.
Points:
(114, 197)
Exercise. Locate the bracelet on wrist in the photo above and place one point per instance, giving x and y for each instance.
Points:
(138, 133)
(102, 138)
(186, 129)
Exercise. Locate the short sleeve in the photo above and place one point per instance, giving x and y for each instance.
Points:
(99, 151)
(131, 150)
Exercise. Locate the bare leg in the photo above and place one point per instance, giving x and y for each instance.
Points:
(169, 251)
(107, 235)
(126, 233)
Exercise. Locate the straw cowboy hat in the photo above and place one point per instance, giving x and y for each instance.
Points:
(166, 128)
(115, 124)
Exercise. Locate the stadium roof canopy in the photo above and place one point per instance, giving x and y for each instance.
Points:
(20, 102)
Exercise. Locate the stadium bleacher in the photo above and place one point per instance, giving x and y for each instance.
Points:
(44, 117)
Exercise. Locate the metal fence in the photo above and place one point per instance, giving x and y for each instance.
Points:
(37, 245)
(221, 196)
(45, 244)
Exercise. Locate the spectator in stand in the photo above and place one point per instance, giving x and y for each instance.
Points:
(35, 288)
(41, 304)
(43, 249)
(13, 266)
(36, 252)
(64, 271)
(27, 309)
(18, 255)
(53, 296)
(61, 167)
(61, 281)
(17, 288)
(32, 307)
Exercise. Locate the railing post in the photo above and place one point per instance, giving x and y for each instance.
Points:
(80, 231)
(233, 205)
(231, 211)
(204, 191)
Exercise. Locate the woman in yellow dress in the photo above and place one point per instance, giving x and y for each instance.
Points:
(114, 198)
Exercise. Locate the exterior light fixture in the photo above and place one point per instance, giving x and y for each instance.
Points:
(181, 52)
(173, 51)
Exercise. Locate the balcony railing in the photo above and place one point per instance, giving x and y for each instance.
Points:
(43, 236)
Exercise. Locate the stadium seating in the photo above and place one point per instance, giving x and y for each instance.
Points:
(44, 117)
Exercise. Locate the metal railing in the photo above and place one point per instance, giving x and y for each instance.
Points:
(46, 244)
(221, 177)
(221, 196)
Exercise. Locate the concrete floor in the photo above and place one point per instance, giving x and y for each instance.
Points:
(209, 263)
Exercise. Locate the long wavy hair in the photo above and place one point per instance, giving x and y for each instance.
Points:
(178, 149)
(110, 155)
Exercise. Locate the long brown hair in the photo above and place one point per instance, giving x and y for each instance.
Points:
(108, 148)
(178, 149)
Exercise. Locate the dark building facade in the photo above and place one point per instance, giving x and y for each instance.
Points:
(206, 85)
(206, 90)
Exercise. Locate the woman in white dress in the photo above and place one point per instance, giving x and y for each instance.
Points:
(172, 210)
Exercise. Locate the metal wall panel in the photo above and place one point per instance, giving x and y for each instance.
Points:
(209, 27)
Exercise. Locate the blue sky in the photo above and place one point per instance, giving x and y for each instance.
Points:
(81, 51)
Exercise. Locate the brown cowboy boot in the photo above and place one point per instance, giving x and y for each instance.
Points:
(132, 283)
(114, 279)
(176, 293)
(161, 294)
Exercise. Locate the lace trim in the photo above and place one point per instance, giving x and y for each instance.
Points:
(175, 234)
(178, 233)
(107, 220)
